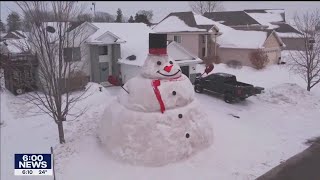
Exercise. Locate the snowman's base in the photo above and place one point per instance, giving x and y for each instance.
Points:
(154, 139)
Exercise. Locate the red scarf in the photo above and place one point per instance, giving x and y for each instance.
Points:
(155, 84)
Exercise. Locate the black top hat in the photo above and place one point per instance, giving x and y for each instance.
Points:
(157, 44)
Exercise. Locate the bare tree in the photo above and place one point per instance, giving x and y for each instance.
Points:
(59, 59)
(103, 17)
(306, 63)
(202, 7)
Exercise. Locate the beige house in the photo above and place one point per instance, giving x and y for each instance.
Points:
(215, 42)
(261, 20)
(192, 31)
(241, 50)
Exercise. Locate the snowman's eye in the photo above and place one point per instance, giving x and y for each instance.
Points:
(170, 62)
(159, 63)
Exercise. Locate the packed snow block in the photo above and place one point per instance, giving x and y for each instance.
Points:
(157, 120)
(153, 138)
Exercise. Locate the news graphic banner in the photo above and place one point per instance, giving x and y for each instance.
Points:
(33, 165)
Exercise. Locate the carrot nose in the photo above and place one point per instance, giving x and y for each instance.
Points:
(168, 68)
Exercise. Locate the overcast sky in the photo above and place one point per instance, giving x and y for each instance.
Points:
(163, 8)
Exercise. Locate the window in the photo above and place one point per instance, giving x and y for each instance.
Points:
(203, 52)
(203, 37)
(177, 39)
(72, 54)
(103, 50)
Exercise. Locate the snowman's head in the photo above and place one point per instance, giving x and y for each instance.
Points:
(158, 64)
(160, 67)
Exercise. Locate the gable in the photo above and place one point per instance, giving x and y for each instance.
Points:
(107, 38)
(11, 35)
(177, 53)
(272, 41)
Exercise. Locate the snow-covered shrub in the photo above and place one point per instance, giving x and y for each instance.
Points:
(234, 64)
(217, 59)
(259, 59)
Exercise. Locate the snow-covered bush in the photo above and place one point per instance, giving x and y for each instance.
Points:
(234, 64)
(259, 59)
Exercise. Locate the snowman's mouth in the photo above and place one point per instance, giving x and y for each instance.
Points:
(168, 75)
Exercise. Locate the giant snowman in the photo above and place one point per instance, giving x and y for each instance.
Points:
(157, 121)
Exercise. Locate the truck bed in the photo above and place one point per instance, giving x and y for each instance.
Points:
(237, 83)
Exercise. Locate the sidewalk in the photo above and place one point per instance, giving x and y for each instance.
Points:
(303, 166)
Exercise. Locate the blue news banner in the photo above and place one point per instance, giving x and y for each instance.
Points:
(33, 164)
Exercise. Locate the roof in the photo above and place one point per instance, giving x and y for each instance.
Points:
(287, 30)
(242, 39)
(232, 18)
(17, 34)
(15, 46)
(184, 22)
(135, 38)
(279, 12)
(181, 55)
(268, 17)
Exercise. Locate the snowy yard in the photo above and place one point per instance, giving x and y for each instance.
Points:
(272, 127)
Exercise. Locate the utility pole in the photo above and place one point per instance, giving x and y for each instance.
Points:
(94, 10)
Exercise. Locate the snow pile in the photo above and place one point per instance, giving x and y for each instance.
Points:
(174, 24)
(287, 93)
(135, 131)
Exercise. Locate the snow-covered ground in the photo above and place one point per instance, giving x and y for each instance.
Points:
(272, 127)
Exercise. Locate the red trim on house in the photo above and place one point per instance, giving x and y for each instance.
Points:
(158, 51)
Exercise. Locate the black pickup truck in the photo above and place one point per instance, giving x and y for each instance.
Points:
(226, 85)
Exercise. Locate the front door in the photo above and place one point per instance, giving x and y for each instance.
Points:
(104, 71)
(185, 70)
(105, 66)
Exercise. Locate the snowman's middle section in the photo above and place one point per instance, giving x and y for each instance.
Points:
(174, 93)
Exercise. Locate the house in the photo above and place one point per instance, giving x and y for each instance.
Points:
(275, 19)
(192, 31)
(117, 50)
(221, 43)
(261, 20)
(18, 63)
(236, 45)
(239, 20)
(17, 34)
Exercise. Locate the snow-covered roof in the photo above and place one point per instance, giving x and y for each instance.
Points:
(15, 46)
(242, 39)
(181, 55)
(267, 19)
(174, 24)
(289, 35)
(134, 38)
(184, 22)
(201, 20)
(232, 18)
